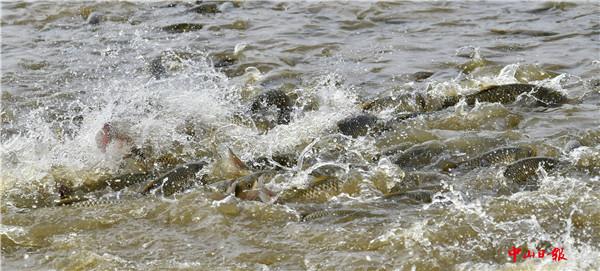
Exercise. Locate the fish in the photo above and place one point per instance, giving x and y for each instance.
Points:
(396, 149)
(522, 170)
(245, 182)
(97, 202)
(286, 160)
(182, 28)
(402, 102)
(400, 120)
(69, 200)
(430, 103)
(571, 145)
(205, 8)
(420, 196)
(115, 183)
(359, 125)
(421, 75)
(228, 166)
(419, 155)
(256, 193)
(94, 18)
(590, 137)
(248, 187)
(93, 181)
(502, 156)
(223, 59)
(125, 180)
(411, 103)
(305, 217)
(420, 180)
(506, 94)
(82, 202)
(271, 108)
(175, 180)
(525, 32)
(320, 190)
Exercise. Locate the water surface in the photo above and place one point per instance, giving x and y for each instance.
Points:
(63, 78)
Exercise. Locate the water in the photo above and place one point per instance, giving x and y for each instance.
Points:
(62, 79)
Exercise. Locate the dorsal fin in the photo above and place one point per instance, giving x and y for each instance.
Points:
(236, 161)
(231, 189)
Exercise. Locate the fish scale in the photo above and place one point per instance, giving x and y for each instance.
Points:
(497, 156)
(79, 202)
(325, 213)
(424, 196)
(319, 189)
(506, 94)
(520, 171)
(97, 202)
(176, 179)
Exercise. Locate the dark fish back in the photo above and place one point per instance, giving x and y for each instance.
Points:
(522, 170)
(175, 180)
(498, 156)
(506, 94)
(325, 213)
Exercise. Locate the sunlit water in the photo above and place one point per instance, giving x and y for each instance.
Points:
(62, 79)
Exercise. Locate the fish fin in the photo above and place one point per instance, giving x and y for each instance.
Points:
(232, 188)
(258, 184)
(235, 160)
(265, 195)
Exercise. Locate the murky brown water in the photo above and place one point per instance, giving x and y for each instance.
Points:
(181, 80)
